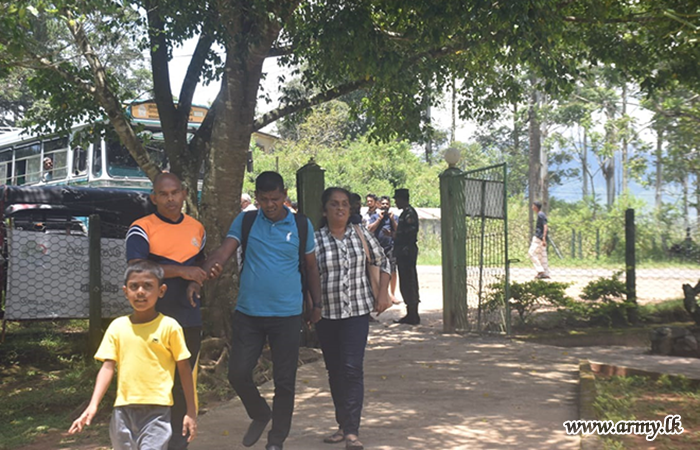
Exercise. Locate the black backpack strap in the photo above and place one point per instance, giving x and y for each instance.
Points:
(303, 230)
(248, 220)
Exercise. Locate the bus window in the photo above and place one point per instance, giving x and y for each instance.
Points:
(79, 161)
(6, 166)
(55, 162)
(97, 158)
(28, 164)
(121, 164)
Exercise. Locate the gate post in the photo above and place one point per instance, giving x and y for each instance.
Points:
(310, 186)
(454, 254)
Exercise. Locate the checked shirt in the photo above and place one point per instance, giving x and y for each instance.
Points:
(345, 288)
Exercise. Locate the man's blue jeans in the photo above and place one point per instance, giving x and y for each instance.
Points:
(343, 342)
(249, 335)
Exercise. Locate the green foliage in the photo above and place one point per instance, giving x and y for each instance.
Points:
(528, 296)
(604, 303)
(43, 379)
(605, 289)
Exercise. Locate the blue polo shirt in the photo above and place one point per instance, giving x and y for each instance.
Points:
(270, 280)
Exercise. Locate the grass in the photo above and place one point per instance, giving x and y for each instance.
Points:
(45, 381)
(645, 398)
(664, 312)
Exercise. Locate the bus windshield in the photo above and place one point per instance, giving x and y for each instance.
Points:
(120, 163)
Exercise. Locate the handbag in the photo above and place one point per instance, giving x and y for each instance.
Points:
(372, 269)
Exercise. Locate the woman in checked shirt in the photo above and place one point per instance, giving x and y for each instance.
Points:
(347, 303)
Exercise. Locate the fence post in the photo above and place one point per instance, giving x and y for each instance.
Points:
(630, 260)
(95, 283)
(310, 185)
(580, 245)
(573, 244)
(454, 253)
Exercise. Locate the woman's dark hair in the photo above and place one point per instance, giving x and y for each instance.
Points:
(269, 181)
(326, 196)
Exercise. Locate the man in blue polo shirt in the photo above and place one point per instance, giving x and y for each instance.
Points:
(270, 304)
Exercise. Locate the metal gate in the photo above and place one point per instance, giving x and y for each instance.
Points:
(487, 263)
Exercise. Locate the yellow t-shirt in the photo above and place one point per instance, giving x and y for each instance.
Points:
(146, 356)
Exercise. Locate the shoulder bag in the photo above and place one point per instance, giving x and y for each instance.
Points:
(372, 269)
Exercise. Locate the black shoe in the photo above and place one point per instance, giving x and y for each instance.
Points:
(273, 447)
(255, 430)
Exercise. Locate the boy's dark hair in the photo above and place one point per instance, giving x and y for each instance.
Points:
(385, 197)
(372, 196)
(269, 181)
(538, 205)
(144, 266)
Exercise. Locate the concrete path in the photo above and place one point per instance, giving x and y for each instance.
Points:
(427, 390)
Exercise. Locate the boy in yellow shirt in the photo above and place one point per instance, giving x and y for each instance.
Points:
(146, 346)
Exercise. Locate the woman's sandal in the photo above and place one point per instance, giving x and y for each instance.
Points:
(335, 438)
(353, 444)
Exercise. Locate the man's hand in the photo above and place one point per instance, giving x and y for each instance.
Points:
(215, 271)
(83, 421)
(382, 303)
(544, 242)
(193, 288)
(189, 423)
(193, 273)
(313, 315)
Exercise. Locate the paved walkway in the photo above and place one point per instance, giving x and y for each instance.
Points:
(427, 390)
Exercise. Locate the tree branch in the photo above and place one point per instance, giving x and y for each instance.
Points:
(108, 100)
(323, 97)
(194, 71)
(576, 19)
(159, 65)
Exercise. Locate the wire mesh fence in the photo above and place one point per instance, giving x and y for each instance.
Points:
(486, 248)
(47, 272)
(584, 245)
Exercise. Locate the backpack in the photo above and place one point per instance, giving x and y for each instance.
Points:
(302, 228)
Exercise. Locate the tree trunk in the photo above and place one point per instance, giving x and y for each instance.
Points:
(659, 170)
(608, 166)
(538, 167)
(428, 119)
(625, 169)
(226, 161)
(686, 202)
(584, 163)
(453, 129)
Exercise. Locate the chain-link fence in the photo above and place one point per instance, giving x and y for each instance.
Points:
(47, 272)
(587, 243)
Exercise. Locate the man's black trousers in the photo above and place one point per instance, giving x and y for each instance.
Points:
(249, 336)
(406, 258)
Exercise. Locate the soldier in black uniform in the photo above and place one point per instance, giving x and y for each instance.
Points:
(406, 253)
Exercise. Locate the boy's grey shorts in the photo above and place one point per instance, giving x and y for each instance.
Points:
(136, 427)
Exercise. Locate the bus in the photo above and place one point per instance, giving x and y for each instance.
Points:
(27, 159)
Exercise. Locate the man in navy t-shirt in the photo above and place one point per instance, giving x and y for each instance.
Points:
(270, 304)
(538, 247)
